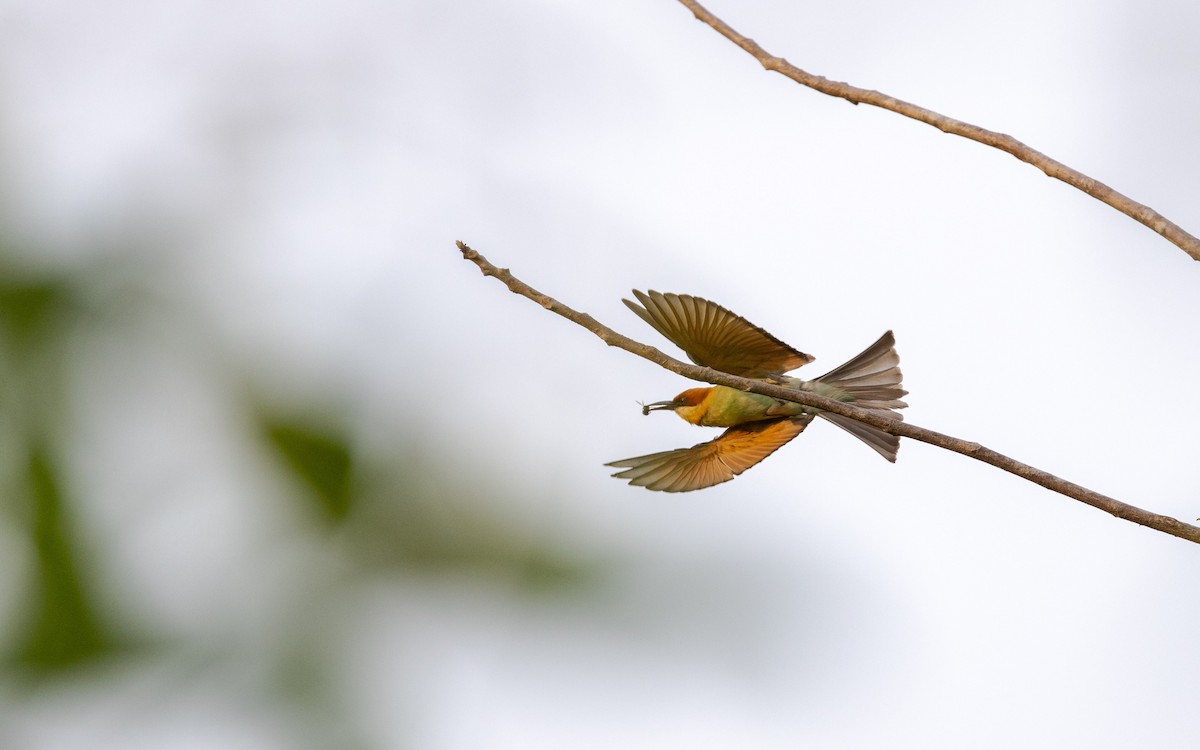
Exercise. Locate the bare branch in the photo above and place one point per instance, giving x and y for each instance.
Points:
(1056, 169)
(1165, 524)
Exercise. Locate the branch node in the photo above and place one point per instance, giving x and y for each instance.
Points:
(772, 63)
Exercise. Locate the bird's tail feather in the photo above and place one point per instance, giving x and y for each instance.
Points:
(872, 381)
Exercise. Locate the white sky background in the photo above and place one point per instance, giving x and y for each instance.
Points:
(302, 172)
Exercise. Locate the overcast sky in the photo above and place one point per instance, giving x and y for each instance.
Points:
(292, 178)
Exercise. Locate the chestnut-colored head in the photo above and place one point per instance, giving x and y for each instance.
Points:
(689, 405)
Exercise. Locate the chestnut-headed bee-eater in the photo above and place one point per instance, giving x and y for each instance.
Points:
(758, 425)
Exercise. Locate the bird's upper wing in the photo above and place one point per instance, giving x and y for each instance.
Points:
(716, 461)
(715, 337)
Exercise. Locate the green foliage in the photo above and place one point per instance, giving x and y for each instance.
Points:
(58, 625)
(320, 459)
(409, 511)
(61, 627)
(414, 513)
(28, 308)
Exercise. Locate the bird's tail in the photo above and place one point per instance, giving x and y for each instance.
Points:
(870, 380)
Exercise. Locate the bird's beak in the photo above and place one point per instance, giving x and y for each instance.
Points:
(658, 406)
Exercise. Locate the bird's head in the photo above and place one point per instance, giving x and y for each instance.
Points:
(689, 405)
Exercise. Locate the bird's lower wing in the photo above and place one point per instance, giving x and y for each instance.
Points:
(716, 461)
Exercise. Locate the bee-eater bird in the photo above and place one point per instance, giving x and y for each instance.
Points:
(758, 425)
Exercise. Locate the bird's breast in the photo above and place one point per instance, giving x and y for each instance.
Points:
(726, 407)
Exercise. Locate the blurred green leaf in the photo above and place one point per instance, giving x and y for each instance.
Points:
(320, 459)
(419, 512)
(62, 628)
(28, 308)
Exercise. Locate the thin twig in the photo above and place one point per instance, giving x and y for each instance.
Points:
(1107, 504)
(1053, 168)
